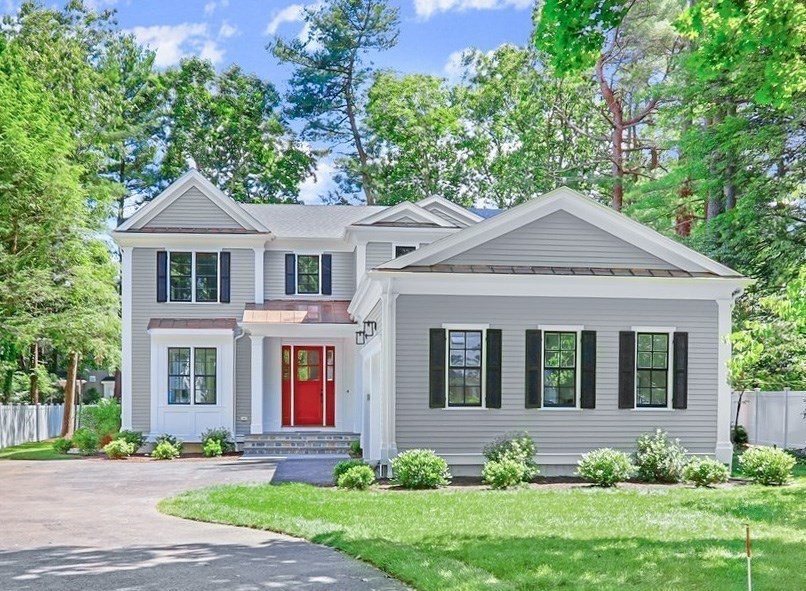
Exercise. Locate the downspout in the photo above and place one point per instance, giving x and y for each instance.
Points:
(239, 333)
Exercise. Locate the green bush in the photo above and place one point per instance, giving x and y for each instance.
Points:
(136, 438)
(62, 445)
(165, 450)
(222, 436)
(659, 459)
(767, 465)
(706, 472)
(86, 440)
(355, 449)
(518, 447)
(177, 444)
(502, 474)
(605, 467)
(420, 468)
(212, 448)
(90, 396)
(357, 477)
(117, 449)
(103, 418)
(342, 467)
(739, 435)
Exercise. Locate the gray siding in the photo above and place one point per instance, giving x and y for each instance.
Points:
(343, 275)
(378, 253)
(243, 385)
(145, 307)
(193, 209)
(560, 240)
(555, 431)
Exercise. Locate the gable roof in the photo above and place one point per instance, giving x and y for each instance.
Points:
(309, 221)
(450, 210)
(576, 204)
(406, 213)
(192, 179)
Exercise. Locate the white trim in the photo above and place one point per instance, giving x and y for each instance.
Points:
(456, 211)
(576, 204)
(307, 331)
(483, 368)
(166, 332)
(669, 332)
(669, 329)
(463, 326)
(257, 386)
(260, 264)
(191, 178)
(126, 338)
(577, 329)
(401, 209)
(193, 252)
(188, 241)
(388, 375)
(318, 256)
(724, 447)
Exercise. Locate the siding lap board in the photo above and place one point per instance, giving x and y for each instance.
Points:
(555, 431)
(378, 253)
(193, 209)
(342, 276)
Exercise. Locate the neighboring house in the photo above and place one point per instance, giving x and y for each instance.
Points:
(421, 325)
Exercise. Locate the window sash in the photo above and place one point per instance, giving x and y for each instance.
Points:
(180, 276)
(179, 375)
(206, 266)
(465, 368)
(308, 267)
(193, 277)
(652, 370)
(204, 375)
(560, 353)
(192, 369)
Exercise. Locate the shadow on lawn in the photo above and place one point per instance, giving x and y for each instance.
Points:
(596, 564)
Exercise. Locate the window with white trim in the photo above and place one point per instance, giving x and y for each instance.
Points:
(401, 249)
(560, 369)
(465, 367)
(308, 276)
(192, 375)
(652, 369)
(193, 277)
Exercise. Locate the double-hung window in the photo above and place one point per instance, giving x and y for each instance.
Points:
(192, 375)
(308, 277)
(560, 369)
(465, 354)
(193, 277)
(652, 370)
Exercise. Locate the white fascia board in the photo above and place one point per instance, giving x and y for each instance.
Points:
(320, 331)
(365, 298)
(457, 211)
(190, 179)
(191, 333)
(189, 241)
(576, 204)
(404, 208)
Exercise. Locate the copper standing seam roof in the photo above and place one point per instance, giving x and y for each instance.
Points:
(528, 270)
(192, 323)
(298, 312)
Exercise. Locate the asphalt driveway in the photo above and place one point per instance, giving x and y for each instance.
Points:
(93, 525)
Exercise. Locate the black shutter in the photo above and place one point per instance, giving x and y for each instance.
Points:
(436, 368)
(290, 274)
(162, 276)
(534, 368)
(224, 275)
(493, 369)
(626, 369)
(680, 376)
(588, 378)
(327, 264)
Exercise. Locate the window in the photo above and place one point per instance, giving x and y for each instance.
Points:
(401, 250)
(464, 367)
(559, 369)
(193, 277)
(330, 365)
(652, 369)
(308, 273)
(308, 365)
(202, 360)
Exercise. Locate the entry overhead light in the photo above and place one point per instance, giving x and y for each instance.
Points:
(360, 337)
(369, 327)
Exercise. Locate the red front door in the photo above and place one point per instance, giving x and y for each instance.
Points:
(308, 390)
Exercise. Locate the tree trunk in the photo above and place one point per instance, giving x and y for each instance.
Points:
(683, 217)
(366, 180)
(729, 189)
(35, 375)
(70, 395)
(738, 408)
(618, 168)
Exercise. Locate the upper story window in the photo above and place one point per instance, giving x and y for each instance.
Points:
(559, 369)
(308, 273)
(400, 250)
(652, 370)
(193, 277)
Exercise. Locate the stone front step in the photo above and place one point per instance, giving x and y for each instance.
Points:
(297, 443)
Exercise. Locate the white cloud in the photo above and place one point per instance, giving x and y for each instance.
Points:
(318, 184)
(425, 9)
(174, 42)
(294, 13)
(228, 30)
(99, 5)
(454, 68)
(212, 6)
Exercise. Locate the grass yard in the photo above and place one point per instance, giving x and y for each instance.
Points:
(38, 450)
(539, 538)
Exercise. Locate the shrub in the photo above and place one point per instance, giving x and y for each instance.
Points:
(355, 449)
(118, 449)
(212, 448)
(518, 447)
(222, 436)
(502, 474)
(767, 465)
(177, 444)
(739, 435)
(62, 445)
(420, 468)
(659, 459)
(136, 438)
(357, 477)
(103, 418)
(605, 467)
(165, 450)
(342, 467)
(90, 396)
(706, 472)
(86, 441)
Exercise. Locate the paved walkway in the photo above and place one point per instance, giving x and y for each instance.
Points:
(92, 525)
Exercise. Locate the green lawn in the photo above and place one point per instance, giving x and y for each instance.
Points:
(39, 450)
(579, 538)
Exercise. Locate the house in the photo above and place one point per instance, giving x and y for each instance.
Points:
(420, 325)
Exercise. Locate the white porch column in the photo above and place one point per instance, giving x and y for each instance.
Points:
(388, 387)
(256, 426)
(126, 339)
(724, 448)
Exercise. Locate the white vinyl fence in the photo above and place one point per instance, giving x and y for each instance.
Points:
(773, 418)
(22, 423)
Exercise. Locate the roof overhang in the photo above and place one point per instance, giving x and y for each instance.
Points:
(457, 212)
(405, 209)
(190, 240)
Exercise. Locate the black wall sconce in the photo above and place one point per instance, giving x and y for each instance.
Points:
(360, 337)
(369, 327)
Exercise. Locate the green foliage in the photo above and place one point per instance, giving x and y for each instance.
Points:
(420, 468)
(739, 435)
(62, 445)
(212, 448)
(358, 478)
(135, 438)
(165, 450)
(502, 474)
(103, 418)
(518, 447)
(767, 465)
(86, 441)
(171, 440)
(658, 458)
(117, 449)
(342, 467)
(605, 467)
(706, 472)
(222, 436)
(355, 449)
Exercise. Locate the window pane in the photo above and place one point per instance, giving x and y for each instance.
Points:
(659, 396)
(551, 377)
(550, 396)
(660, 342)
(552, 359)
(473, 358)
(472, 377)
(401, 250)
(659, 360)
(473, 339)
(643, 397)
(644, 359)
(205, 390)
(658, 379)
(552, 341)
(568, 341)
(567, 397)
(204, 372)
(567, 359)
(472, 396)
(206, 277)
(652, 366)
(456, 378)
(180, 278)
(644, 378)
(308, 284)
(457, 339)
(566, 377)
(456, 395)
(457, 357)
(178, 375)
(644, 342)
